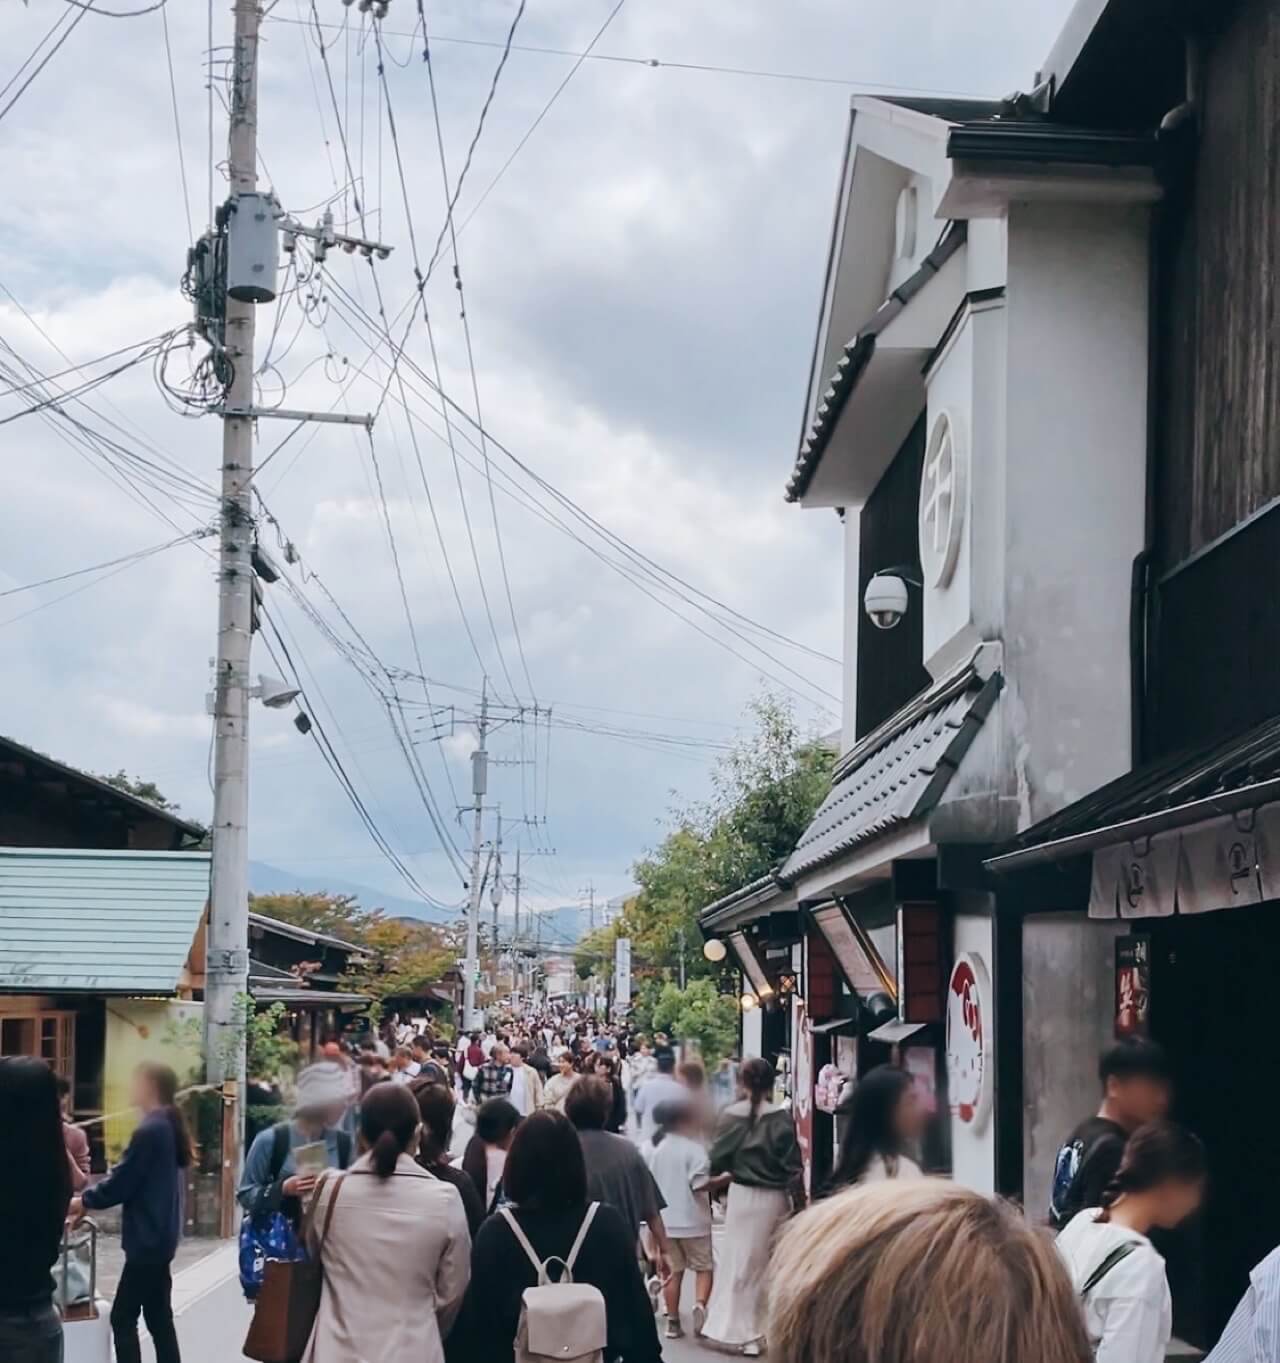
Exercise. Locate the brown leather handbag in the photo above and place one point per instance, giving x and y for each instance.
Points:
(289, 1300)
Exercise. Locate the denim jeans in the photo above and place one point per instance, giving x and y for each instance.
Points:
(31, 1336)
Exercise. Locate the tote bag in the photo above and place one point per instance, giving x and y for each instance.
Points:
(289, 1300)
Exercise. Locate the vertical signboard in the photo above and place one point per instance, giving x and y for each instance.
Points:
(802, 1086)
(1133, 985)
(622, 974)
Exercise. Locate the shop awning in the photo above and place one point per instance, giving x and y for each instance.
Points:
(1192, 833)
(761, 897)
(899, 771)
(835, 1025)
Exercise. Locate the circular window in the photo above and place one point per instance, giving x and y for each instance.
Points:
(942, 502)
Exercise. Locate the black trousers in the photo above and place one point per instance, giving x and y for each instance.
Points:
(145, 1289)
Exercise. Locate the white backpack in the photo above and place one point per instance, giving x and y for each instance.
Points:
(560, 1319)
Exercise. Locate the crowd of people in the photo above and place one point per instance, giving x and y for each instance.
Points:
(446, 1188)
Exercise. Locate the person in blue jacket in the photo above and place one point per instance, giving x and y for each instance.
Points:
(148, 1184)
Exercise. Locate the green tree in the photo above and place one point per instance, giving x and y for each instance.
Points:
(764, 793)
(336, 915)
(699, 1013)
(595, 952)
(402, 957)
(142, 790)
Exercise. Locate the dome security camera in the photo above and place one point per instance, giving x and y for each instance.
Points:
(885, 600)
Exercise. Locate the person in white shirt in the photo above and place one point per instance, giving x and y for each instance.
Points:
(526, 1082)
(681, 1168)
(880, 1119)
(1118, 1274)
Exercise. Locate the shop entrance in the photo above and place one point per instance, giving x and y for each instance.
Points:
(1214, 1003)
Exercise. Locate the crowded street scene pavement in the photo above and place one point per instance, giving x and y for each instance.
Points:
(514, 848)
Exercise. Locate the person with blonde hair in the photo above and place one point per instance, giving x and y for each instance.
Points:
(918, 1272)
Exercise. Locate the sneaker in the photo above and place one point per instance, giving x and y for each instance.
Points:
(653, 1286)
(673, 1328)
(699, 1318)
(751, 1350)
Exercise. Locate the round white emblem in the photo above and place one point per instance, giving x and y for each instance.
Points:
(969, 1041)
(942, 501)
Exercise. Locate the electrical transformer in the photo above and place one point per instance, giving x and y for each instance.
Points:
(253, 248)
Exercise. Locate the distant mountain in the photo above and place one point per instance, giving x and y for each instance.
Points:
(562, 927)
(264, 879)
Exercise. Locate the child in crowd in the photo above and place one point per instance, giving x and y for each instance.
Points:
(678, 1161)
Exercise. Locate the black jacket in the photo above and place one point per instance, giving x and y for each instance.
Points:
(500, 1272)
(148, 1184)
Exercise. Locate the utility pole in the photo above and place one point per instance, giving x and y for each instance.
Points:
(515, 936)
(680, 935)
(479, 787)
(227, 957)
(495, 898)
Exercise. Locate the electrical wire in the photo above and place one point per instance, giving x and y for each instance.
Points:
(177, 124)
(98, 567)
(48, 57)
(89, 7)
(484, 111)
(62, 18)
(462, 303)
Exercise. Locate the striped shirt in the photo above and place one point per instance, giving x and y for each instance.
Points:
(1253, 1332)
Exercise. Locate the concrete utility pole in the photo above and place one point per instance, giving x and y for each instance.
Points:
(479, 787)
(515, 936)
(227, 958)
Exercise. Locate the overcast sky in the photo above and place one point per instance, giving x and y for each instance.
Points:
(642, 290)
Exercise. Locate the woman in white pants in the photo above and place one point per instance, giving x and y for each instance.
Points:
(756, 1153)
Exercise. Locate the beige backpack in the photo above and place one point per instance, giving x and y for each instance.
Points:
(560, 1319)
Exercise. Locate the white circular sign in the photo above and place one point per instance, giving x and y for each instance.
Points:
(969, 1073)
(942, 501)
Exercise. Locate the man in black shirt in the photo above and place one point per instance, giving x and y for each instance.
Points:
(1136, 1089)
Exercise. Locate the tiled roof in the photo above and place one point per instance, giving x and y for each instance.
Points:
(898, 772)
(103, 922)
(857, 354)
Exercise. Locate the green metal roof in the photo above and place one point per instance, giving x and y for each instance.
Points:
(100, 922)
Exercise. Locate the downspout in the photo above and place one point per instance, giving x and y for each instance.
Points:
(1140, 601)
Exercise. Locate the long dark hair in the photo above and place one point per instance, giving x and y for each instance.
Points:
(757, 1078)
(545, 1168)
(1160, 1152)
(870, 1131)
(165, 1085)
(36, 1188)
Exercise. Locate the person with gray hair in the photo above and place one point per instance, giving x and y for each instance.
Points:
(272, 1180)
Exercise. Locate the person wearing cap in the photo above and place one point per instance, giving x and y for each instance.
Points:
(272, 1180)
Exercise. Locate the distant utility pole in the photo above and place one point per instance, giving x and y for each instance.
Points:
(227, 955)
(479, 787)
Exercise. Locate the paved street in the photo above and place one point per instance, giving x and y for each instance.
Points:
(212, 1328)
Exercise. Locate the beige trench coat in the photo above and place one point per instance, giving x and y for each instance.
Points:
(397, 1259)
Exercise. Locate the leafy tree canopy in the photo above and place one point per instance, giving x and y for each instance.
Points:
(764, 793)
(701, 1014)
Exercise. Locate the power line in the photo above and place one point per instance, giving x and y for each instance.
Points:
(98, 567)
(546, 109)
(177, 125)
(48, 57)
(484, 110)
(466, 324)
(88, 7)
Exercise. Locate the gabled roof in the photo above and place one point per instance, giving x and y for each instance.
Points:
(276, 925)
(117, 922)
(898, 772)
(18, 762)
(857, 355)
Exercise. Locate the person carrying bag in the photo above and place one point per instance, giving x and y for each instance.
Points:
(288, 1300)
(559, 1318)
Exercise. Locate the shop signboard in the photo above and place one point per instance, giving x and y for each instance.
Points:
(969, 1067)
(802, 1086)
(1133, 985)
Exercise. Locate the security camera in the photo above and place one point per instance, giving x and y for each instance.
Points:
(274, 693)
(885, 600)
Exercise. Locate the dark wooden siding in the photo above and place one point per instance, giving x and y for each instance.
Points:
(1219, 256)
(890, 662)
(1216, 641)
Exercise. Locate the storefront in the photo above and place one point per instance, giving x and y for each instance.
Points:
(1153, 908)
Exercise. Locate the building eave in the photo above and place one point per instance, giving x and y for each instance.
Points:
(857, 355)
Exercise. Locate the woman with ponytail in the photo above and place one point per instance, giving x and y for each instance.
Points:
(756, 1154)
(1117, 1272)
(393, 1243)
